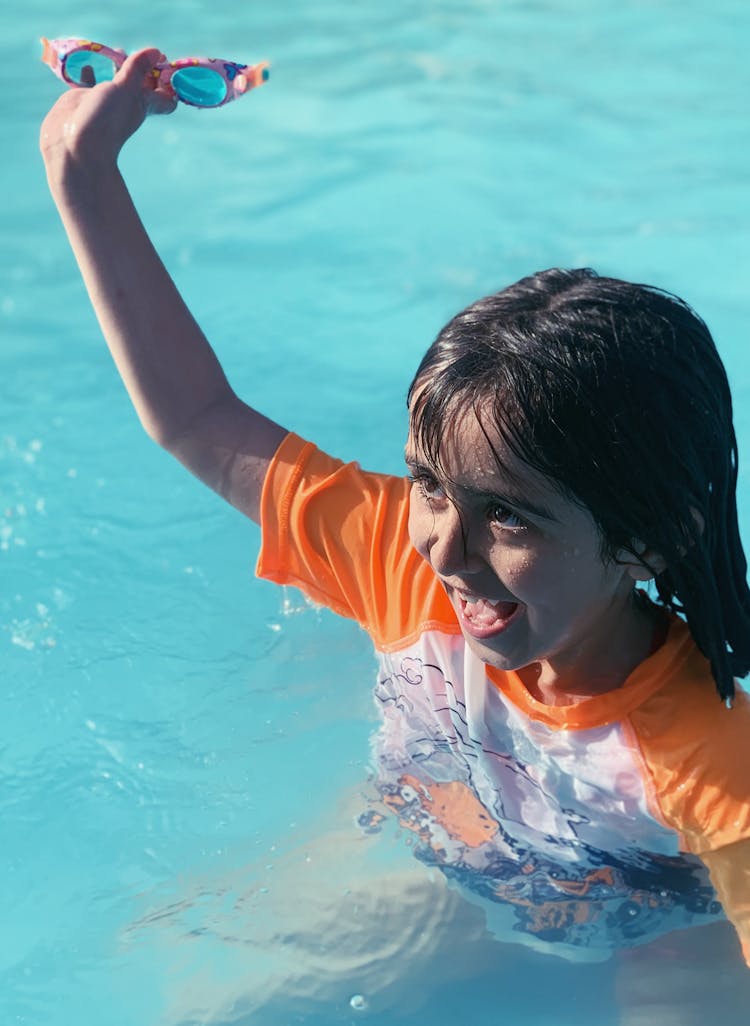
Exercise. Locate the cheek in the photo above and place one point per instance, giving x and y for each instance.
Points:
(545, 574)
(420, 521)
(523, 569)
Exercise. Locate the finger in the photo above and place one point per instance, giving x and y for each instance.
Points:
(138, 73)
(160, 102)
(139, 65)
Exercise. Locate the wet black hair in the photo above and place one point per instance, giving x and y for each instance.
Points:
(617, 394)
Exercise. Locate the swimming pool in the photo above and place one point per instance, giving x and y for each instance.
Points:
(176, 734)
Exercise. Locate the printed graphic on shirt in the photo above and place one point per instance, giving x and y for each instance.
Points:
(555, 824)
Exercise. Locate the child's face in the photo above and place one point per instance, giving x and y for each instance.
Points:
(521, 564)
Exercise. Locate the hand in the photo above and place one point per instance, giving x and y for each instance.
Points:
(91, 125)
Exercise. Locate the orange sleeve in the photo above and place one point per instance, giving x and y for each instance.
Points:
(341, 536)
(729, 869)
(697, 759)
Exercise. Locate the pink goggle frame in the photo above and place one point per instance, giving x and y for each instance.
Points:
(198, 81)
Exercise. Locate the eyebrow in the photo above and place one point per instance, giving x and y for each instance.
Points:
(479, 494)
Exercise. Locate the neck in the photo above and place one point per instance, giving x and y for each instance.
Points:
(589, 669)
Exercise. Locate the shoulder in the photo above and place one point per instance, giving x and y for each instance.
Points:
(697, 750)
(341, 534)
(297, 461)
(308, 493)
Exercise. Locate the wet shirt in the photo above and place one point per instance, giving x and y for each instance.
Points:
(597, 825)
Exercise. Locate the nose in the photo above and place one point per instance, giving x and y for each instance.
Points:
(449, 543)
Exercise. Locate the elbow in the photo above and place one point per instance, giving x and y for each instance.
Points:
(171, 432)
(160, 433)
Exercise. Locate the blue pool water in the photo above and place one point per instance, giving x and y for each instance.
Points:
(175, 734)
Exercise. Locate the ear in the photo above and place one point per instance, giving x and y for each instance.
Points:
(643, 564)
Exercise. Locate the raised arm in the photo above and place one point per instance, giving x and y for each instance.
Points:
(172, 375)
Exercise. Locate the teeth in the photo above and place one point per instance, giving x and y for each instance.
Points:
(484, 611)
(472, 600)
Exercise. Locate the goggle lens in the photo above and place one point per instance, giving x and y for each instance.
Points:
(88, 68)
(203, 87)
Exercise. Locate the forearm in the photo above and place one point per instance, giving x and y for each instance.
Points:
(166, 362)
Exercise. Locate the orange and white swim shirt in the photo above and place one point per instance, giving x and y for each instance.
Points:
(598, 825)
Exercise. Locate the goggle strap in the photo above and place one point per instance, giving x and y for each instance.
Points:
(250, 78)
(49, 54)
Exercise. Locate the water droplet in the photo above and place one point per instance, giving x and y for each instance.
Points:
(358, 1002)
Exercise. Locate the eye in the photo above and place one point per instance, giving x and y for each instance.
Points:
(505, 518)
(428, 486)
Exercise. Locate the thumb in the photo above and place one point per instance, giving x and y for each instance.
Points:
(138, 66)
(139, 73)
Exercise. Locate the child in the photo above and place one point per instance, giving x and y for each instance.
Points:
(570, 753)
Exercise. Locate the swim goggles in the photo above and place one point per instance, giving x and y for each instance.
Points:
(198, 81)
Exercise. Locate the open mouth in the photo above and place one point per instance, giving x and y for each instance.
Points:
(483, 619)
